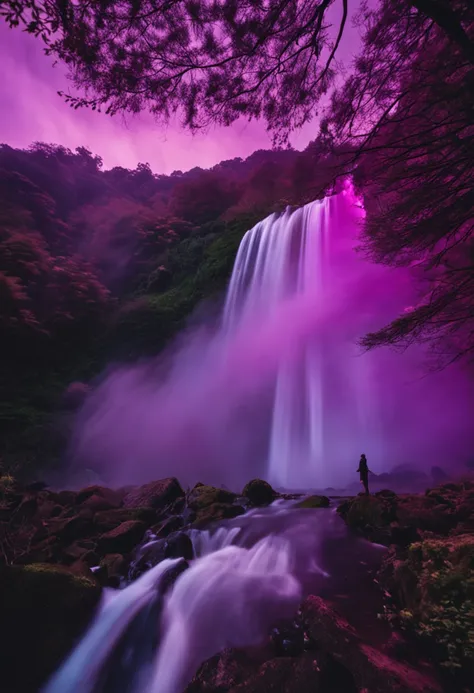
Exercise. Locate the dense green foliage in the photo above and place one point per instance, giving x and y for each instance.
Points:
(443, 609)
(104, 265)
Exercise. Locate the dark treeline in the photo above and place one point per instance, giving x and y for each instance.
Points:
(104, 264)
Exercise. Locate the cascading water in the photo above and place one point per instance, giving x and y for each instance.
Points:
(325, 403)
(280, 389)
(247, 575)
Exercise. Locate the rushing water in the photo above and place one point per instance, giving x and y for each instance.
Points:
(280, 388)
(297, 258)
(247, 576)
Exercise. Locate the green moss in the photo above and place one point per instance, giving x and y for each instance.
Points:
(368, 511)
(444, 612)
(203, 496)
(314, 502)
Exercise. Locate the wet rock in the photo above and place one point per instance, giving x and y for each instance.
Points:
(388, 518)
(155, 494)
(371, 669)
(112, 498)
(78, 550)
(171, 575)
(113, 568)
(171, 524)
(371, 516)
(259, 492)
(81, 569)
(216, 513)
(203, 496)
(98, 503)
(289, 640)
(177, 507)
(285, 675)
(109, 519)
(68, 530)
(224, 671)
(313, 502)
(179, 545)
(44, 609)
(123, 538)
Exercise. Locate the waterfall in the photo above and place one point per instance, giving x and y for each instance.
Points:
(298, 257)
(280, 388)
(247, 576)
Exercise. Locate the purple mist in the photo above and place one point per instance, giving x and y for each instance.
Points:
(280, 389)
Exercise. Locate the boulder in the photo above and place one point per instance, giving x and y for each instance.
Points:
(216, 513)
(171, 524)
(285, 675)
(370, 515)
(113, 499)
(179, 545)
(202, 496)
(109, 519)
(224, 671)
(79, 550)
(388, 518)
(313, 502)
(99, 503)
(172, 574)
(259, 492)
(371, 669)
(68, 530)
(156, 494)
(44, 609)
(113, 568)
(123, 538)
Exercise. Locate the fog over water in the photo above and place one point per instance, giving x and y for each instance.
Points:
(280, 388)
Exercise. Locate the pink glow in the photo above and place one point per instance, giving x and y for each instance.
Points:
(32, 111)
(211, 418)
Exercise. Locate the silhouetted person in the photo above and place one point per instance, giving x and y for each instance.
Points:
(364, 473)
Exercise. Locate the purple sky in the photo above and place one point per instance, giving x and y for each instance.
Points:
(31, 110)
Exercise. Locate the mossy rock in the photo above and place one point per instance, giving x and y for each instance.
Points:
(368, 511)
(443, 614)
(259, 492)
(105, 520)
(216, 513)
(44, 609)
(202, 496)
(314, 502)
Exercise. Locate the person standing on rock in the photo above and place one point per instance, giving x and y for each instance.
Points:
(364, 473)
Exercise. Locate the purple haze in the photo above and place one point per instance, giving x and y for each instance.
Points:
(211, 415)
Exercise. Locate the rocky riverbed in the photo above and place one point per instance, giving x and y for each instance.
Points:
(409, 628)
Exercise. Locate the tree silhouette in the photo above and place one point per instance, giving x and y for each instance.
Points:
(407, 114)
